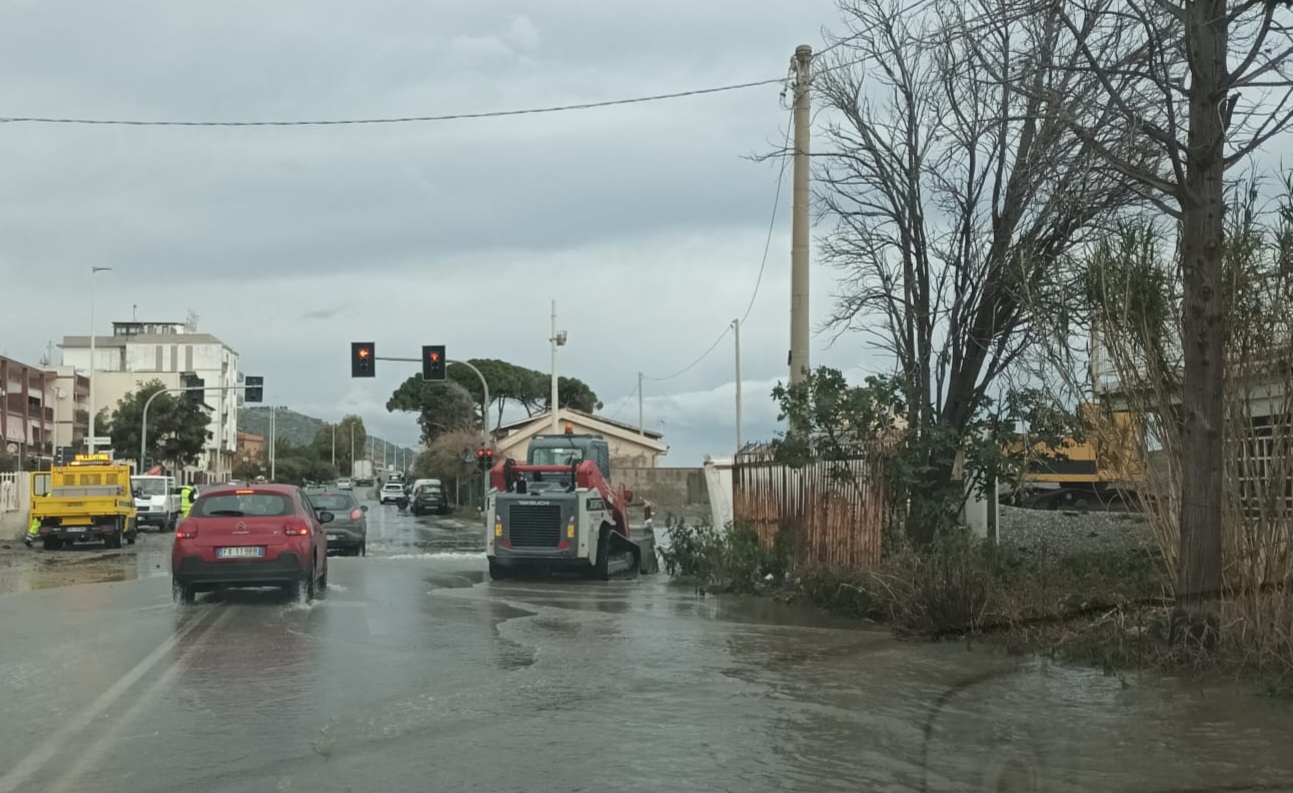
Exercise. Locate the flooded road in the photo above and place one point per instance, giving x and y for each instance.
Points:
(416, 673)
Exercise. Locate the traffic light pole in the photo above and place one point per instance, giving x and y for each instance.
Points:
(143, 423)
(484, 390)
(484, 402)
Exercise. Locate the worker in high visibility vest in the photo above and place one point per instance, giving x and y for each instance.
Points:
(33, 528)
(186, 500)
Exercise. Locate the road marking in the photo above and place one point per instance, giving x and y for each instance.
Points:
(90, 756)
(39, 757)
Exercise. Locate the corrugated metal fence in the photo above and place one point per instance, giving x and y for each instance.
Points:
(833, 512)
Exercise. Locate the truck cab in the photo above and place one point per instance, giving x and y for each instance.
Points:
(157, 500)
(557, 511)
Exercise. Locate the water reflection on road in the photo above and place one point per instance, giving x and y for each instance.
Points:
(415, 669)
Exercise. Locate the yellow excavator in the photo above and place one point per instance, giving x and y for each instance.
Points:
(1102, 471)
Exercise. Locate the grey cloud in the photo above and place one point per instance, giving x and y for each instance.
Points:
(644, 221)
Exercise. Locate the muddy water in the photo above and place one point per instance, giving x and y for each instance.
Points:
(24, 569)
(863, 711)
(417, 673)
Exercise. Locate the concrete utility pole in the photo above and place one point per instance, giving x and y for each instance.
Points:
(334, 445)
(736, 326)
(558, 340)
(273, 441)
(799, 365)
(641, 423)
(352, 448)
(90, 438)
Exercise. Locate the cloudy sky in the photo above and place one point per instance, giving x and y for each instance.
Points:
(645, 222)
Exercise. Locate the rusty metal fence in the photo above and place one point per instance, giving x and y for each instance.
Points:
(832, 513)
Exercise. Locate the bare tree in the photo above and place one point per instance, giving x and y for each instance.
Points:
(954, 198)
(1218, 69)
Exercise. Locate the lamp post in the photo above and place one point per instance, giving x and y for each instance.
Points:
(90, 440)
(558, 340)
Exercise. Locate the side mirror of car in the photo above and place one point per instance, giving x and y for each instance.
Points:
(326, 517)
(363, 507)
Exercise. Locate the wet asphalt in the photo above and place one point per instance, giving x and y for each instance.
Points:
(415, 673)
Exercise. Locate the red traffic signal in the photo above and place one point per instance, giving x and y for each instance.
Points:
(433, 362)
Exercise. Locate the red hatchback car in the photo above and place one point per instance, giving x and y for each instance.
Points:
(264, 535)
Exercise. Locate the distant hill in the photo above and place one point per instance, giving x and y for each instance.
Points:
(297, 428)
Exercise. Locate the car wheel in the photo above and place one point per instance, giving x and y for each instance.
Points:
(184, 594)
(305, 588)
(323, 579)
(363, 548)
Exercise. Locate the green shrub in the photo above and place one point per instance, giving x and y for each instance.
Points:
(728, 560)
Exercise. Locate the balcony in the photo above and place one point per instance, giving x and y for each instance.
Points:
(16, 405)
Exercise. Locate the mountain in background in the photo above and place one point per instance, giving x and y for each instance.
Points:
(296, 428)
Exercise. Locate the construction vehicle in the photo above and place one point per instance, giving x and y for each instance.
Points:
(558, 511)
(88, 500)
(1102, 471)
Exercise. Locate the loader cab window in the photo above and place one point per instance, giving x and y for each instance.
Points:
(40, 484)
(557, 456)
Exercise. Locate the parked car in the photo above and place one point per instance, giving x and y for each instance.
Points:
(416, 483)
(251, 536)
(429, 499)
(345, 484)
(348, 531)
(391, 493)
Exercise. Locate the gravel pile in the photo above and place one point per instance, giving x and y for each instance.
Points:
(1056, 532)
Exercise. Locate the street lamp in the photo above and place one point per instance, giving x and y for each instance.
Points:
(558, 339)
(90, 440)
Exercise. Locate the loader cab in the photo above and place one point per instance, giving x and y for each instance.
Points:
(568, 448)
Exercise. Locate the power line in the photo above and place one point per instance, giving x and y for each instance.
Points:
(772, 222)
(694, 363)
(625, 403)
(393, 120)
(767, 247)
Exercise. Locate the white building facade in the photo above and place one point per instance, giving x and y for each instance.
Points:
(138, 352)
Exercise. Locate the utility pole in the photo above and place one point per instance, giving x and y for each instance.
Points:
(352, 448)
(641, 423)
(334, 446)
(558, 340)
(799, 365)
(736, 326)
(90, 438)
(273, 441)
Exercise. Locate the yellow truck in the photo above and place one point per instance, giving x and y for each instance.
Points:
(86, 501)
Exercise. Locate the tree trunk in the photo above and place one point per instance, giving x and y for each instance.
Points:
(1199, 562)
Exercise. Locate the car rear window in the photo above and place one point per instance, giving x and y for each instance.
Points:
(243, 505)
(331, 501)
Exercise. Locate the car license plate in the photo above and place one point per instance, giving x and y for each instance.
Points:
(241, 552)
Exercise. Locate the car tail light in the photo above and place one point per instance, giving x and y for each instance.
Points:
(296, 528)
(187, 530)
(356, 514)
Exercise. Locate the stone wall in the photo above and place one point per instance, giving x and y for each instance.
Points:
(667, 488)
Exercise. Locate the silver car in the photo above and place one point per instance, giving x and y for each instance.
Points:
(348, 529)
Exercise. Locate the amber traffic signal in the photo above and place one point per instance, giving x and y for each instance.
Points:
(363, 359)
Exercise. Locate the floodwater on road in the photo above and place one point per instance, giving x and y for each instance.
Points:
(415, 672)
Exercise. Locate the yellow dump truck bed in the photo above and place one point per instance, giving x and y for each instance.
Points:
(87, 500)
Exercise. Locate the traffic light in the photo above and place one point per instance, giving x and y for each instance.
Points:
(480, 459)
(363, 359)
(484, 459)
(255, 389)
(195, 395)
(489, 459)
(433, 362)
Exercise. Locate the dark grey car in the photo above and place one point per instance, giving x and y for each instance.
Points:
(348, 530)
